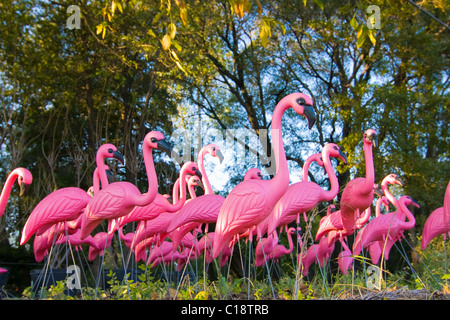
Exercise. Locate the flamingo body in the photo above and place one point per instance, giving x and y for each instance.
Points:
(61, 205)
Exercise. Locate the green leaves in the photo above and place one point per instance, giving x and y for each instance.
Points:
(265, 29)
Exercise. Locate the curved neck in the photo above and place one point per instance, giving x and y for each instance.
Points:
(96, 180)
(378, 207)
(182, 192)
(370, 171)
(147, 198)
(363, 219)
(282, 174)
(388, 194)
(201, 167)
(101, 171)
(176, 191)
(6, 191)
(411, 220)
(334, 185)
(192, 191)
(291, 245)
(305, 168)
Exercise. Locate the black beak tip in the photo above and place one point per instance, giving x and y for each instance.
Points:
(23, 189)
(198, 174)
(164, 146)
(117, 155)
(310, 115)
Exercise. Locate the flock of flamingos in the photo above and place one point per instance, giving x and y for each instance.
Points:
(175, 227)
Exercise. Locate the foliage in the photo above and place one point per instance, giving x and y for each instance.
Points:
(211, 69)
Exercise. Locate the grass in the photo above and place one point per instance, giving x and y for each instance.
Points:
(424, 277)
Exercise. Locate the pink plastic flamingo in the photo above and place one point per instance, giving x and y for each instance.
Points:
(376, 248)
(358, 193)
(161, 204)
(251, 201)
(385, 226)
(436, 224)
(202, 209)
(302, 196)
(276, 253)
(66, 204)
(447, 204)
(345, 258)
(320, 252)
(120, 198)
(24, 179)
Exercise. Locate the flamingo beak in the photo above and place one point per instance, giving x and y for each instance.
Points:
(399, 182)
(343, 157)
(415, 203)
(164, 146)
(200, 184)
(23, 188)
(219, 155)
(310, 115)
(198, 174)
(374, 139)
(117, 155)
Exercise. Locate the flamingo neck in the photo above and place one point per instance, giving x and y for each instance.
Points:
(370, 171)
(201, 167)
(389, 195)
(192, 191)
(378, 207)
(334, 185)
(180, 203)
(282, 174)
(176, 191)
(364, 218)
(150, 195)
(291, 245)
(101, 171)
(6, 191)
(411, 220)
(96, 180)
(305, 168)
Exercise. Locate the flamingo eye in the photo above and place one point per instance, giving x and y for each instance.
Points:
(213, 148)
(153, 139)
(110, 150)
(335, 148)
(21, 178)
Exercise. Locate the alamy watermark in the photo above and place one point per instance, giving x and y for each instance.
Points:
(74, 20)
(373, 279)
(374, 20)
(73, 279)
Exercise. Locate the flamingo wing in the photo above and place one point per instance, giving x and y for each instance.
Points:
(434, 226)
(244, 207)
(329, 223)
(61, 205)
(204, 209)
(299, 198)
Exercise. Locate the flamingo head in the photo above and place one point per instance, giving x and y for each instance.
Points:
(391, 179)
(191, 167)
(214, 150)
(407, 200)
(371, 137)
(24, 179)
(109, 150)
(156, 140)
(334, 151)
(253, 173)
(303, 105)
(195, 181)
